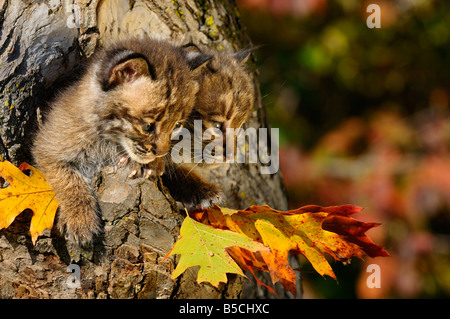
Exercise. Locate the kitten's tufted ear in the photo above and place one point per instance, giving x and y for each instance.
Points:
(122, 67)
(196, 60)
(128, 71)
(243, 55)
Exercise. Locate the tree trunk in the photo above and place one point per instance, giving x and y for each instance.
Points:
(40, 43)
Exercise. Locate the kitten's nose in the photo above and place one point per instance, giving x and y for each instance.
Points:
(160, 152)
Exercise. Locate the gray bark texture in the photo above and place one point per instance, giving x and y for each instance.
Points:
(40, 43)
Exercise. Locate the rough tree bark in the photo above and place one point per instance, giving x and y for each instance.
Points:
(40, 43)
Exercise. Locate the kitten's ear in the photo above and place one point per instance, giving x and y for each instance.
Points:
(243, 55)
(196, 60)
(128, 70)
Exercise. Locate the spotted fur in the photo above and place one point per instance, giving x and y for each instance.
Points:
(128, 102)
(226, 97)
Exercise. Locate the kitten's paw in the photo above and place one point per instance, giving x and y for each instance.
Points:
(207, 197)
(80, 227)
(212, 200)
(123, 159)
(135, 170)
(155, 168)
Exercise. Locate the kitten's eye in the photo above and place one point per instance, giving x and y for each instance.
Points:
(148, 127)
(217, 125)
(178, 125)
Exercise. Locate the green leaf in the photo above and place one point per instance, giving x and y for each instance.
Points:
(205, 246)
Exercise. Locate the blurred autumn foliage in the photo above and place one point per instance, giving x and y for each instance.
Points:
(364, 119)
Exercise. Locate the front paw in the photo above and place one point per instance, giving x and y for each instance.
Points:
(206, 197)
(79, 225)
(154, 168)
(157, 167)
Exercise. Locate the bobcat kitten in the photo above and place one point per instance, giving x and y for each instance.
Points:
(130, 99)
(225, 100)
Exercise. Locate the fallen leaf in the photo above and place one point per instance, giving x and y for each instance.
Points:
(26, 192)
(310, 230)
(250, 261)
(204, 246)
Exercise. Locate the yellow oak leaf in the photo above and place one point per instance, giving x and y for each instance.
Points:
(26, 192)
(204, 246)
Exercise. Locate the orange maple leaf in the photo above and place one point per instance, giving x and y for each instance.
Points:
(26, 192)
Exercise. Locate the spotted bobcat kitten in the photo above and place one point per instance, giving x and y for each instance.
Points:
(130, 99)
(225, 100)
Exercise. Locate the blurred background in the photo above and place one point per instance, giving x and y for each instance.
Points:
(364, 119)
